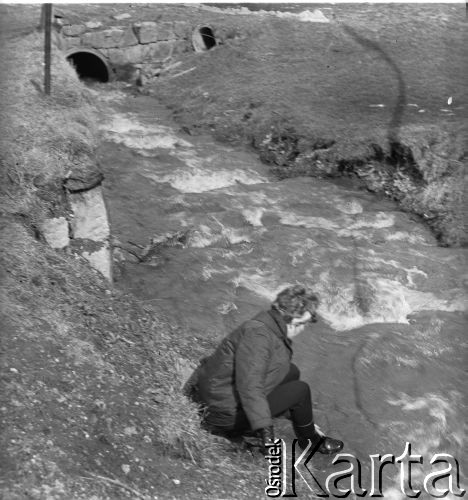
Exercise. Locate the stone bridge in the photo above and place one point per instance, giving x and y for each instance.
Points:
(126, 49)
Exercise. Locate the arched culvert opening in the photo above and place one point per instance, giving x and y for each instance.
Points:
(203, 39)
(89, 65)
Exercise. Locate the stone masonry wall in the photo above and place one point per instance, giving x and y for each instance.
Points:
(147, 45)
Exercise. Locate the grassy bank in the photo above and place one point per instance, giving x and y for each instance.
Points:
(91, 403)
(364, 96)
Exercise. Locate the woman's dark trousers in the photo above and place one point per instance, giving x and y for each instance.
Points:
(294, 395)
(291, 395)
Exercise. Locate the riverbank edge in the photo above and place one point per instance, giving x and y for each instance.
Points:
(423, 169)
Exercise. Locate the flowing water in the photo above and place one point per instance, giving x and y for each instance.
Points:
(385, 362)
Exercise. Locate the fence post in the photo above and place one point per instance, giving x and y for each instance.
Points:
(47, 10)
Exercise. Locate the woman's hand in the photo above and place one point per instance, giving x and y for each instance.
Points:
(261, 439)
(267, 434)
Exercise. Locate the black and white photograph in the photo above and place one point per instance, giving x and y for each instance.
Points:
(234, 250)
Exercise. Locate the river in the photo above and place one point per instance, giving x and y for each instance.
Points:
(386, 360)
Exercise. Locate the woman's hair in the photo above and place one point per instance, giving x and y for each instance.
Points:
(294, 301)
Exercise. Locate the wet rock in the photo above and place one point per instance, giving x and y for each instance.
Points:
(121, 254)
(55, 232)
(152, 251)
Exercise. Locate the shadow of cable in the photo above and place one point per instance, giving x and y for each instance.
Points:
(401, 101)
(361, 293)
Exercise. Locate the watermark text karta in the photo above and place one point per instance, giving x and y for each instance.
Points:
(284, 470)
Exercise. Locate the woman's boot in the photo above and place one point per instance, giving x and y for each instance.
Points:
(323, 444)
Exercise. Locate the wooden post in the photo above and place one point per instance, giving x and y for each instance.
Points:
(47, 45)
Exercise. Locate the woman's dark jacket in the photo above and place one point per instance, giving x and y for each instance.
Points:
(248, 364)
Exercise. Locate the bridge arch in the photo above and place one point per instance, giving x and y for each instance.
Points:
(89, 64)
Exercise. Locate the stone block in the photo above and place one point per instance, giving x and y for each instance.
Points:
(181, 29)
(129, 38)
(166, 32)
(159, 51)
(127, 55)
(146, 31)
(93, 24)
(110, 38)
(73, 29)
(181, 46)
(89, 215)
(102, 39)
(101, 260)
(70, 42)
(55, 232)
(121, 17)
(151, 52)
(150, 32)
